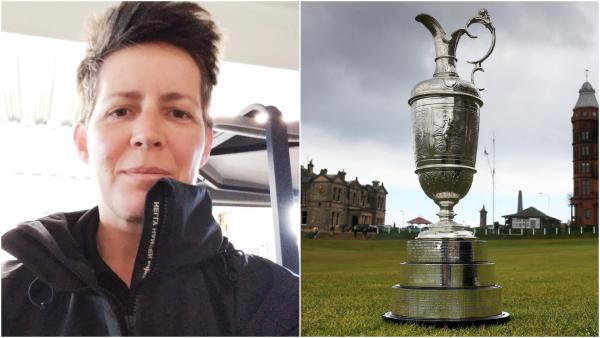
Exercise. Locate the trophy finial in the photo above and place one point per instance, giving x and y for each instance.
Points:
(445, 49)
(484, 13)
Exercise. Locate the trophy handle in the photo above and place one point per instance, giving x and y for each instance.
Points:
(485, 20)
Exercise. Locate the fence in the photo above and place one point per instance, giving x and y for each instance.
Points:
(393, 233)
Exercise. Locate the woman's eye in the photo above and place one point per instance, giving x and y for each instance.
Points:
(121, 112)
(180, 114)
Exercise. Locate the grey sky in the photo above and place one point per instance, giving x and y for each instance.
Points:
(360, 61)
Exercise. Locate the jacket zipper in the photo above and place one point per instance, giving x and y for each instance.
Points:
(130, 319)
(130, 315)
(115, 305)
(140, 273)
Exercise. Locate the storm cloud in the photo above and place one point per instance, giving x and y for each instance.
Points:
(360, 60)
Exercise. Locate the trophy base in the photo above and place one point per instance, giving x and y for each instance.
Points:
(491, 320)
(447, 282)
(449, 234)
(447, 230)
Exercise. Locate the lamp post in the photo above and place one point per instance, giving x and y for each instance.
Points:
(402, 211)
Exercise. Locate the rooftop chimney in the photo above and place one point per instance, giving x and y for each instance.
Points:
(520, 202)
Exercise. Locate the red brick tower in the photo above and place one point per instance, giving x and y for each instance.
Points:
(584, 203)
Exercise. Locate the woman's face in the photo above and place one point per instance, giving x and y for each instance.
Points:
(146, 124)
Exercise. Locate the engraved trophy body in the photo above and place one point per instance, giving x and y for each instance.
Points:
(447, 279)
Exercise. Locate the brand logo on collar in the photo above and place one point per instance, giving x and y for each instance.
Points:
(150, 254)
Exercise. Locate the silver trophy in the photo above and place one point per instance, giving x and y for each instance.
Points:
(447, 279)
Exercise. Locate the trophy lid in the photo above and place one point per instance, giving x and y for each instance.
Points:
(445, 86)
(445, 81)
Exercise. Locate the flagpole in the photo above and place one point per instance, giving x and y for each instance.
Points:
(493, 178)
(492, 167)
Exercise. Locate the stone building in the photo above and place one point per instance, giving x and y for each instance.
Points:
(584, 203)
(329, 200)
(530, 218)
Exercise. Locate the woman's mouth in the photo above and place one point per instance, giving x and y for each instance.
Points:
(143, 172)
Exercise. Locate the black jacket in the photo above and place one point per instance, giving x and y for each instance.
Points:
(187, 279)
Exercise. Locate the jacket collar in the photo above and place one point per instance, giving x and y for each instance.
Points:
(178, 230)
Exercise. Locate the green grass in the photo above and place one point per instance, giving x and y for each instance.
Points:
(550, 287)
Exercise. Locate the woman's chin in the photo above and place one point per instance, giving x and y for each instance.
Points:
(130, 206)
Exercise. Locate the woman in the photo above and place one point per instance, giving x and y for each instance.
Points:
(149, 259)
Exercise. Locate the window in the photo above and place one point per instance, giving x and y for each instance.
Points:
(520, 223)
(588, 213)
(534, 223)
(585, 167)
(583, 114)
(585, 135)
(585, 187)
(585, 150)
(304, 217)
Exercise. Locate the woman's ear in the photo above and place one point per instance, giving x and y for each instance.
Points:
(208, 140)
(80, 139)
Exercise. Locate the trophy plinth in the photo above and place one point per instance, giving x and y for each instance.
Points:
(447, 279)
(447, 282)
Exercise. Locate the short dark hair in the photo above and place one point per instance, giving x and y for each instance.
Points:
(184, 25)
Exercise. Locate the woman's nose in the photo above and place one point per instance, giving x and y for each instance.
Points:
(147, 130)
